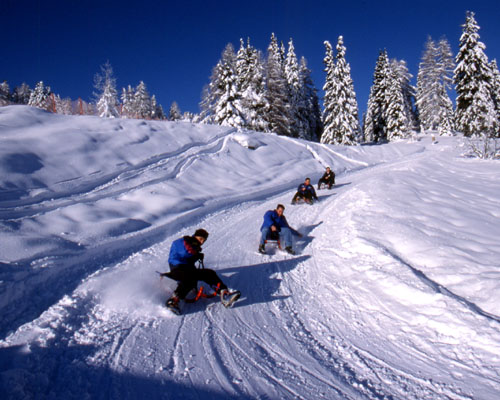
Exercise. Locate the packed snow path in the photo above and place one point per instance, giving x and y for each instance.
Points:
(379, 302)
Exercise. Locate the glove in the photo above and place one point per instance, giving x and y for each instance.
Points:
(201, 256)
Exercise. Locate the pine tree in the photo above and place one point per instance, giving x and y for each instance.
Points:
(222, 100)
(4, 93)
(63, 106)
(128, 103)
(291, 68)
(396, 113)
(496, 91)
(21, 94)
(40, 96)
(343, 123)
(312, 110)
(107, 97)
(329, 99)
(142, 102)
(408, 92)
(435, 109)
(251, 81)
(278, 116)
(446, 65)
(375, 126)
(174, 113)
(475, 111)
(427, 88)
(157, 112)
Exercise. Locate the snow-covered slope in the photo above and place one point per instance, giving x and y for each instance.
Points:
(394, 292)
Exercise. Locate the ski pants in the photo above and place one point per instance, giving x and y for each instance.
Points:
(302, 195)
(285, 236)
(328, 182)
(188, 276)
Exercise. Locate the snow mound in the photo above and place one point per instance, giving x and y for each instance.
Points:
(247, 141)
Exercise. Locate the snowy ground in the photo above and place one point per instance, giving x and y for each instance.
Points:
(394, 292)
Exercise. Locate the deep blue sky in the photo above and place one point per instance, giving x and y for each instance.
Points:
(173, 45)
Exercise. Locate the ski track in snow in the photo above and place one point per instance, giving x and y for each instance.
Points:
(291, 334)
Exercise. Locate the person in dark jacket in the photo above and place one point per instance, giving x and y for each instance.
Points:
(328, 178)
(184, 253)
(275, 221)
(306, 192)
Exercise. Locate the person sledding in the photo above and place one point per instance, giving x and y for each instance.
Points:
(305, 192)
(184, 253)
(275, 222)
(328, 178)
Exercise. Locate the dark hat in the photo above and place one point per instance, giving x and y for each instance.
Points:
(201, 233)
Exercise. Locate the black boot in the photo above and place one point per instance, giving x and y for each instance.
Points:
(262, 249)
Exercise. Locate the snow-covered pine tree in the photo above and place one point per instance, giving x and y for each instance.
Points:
(4, 93)
(329, 98)
(251, 81)
(427, 88)
(157, 112)
(343, 121)
(278, 116)
(396, 114)
(312, 110)
(107, 96)
(63, 106)
(128, 103)
(298, 124)
(475, 107)
(496, 91)
(375, 126)
(222, 99)
(446, 65)
(21, 94)
(142, 102)
(408, 92)
(435, 109)
(40, 97)
(174, 113)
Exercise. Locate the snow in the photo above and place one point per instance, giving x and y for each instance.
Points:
(393, 294)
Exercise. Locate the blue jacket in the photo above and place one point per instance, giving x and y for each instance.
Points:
(271, 217)
(184, 251)
(307, 188)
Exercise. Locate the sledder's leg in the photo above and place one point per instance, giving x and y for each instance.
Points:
(210, 277)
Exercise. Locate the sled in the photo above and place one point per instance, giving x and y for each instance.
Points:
(273, 237)
(200, 291)
(301, 200)
(323, 185)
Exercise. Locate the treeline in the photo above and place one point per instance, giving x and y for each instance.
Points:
(135, 102)
(272, 95)
(275, 93)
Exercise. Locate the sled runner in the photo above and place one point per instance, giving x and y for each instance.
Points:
(227, 296)
(302, 200)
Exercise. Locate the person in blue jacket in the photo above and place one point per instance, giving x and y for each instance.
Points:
(305, 191)
(184, 253)
(275, 221)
